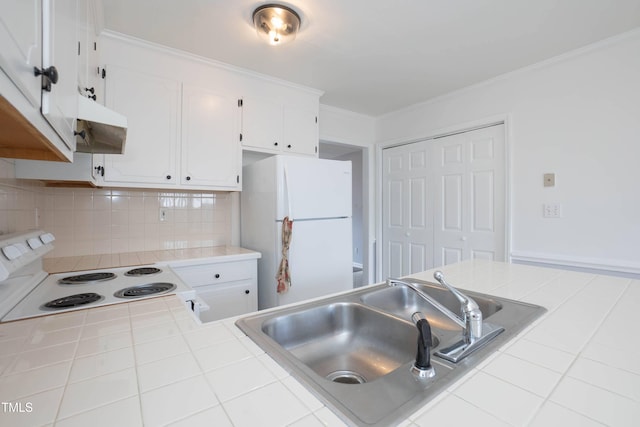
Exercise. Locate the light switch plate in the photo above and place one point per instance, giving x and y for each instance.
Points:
(549, 179)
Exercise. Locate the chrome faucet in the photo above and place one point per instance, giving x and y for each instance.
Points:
(475, 332)
(471, 314)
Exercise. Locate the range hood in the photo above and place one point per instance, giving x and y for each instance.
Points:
(99, 130)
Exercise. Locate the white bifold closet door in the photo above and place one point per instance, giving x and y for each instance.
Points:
(443, 201)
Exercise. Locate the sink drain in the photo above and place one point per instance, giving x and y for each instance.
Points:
(346, 377)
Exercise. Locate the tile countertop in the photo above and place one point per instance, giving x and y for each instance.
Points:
(171, 256)
(149, 363)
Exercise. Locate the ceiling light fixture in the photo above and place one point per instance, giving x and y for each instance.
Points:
(276, 23)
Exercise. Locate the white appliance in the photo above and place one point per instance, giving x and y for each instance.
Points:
(26, 290)
(316, 195)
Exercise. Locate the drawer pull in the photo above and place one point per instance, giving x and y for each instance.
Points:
(217, 276)
(247, 291)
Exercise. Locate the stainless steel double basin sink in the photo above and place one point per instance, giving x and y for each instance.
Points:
(355, 350)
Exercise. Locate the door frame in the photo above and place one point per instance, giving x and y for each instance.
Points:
(504, 119)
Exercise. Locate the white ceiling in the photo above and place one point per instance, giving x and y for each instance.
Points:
(375, 56)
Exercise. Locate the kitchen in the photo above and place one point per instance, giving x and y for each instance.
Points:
(586, 102)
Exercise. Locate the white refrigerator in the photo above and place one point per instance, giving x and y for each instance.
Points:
(316, 195)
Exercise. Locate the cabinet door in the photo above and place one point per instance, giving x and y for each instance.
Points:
(151, 105)
(59, 50)
(261, 124)
(300, 131)
(82, 35)
(89, 81)
(21, 45)
(94, 79)
(226, 300)
(211, 154)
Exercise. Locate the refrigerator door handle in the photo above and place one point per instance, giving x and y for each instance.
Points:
(287, 191)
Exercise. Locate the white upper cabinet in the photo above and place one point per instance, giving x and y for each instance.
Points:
(261, 123)
(300, 130)
(179, 135)
(38, 57)
(21, 42)
(152, 107)
(210, 151)
(189, 119)
(278, 127)
(59, 61)
(89, 81)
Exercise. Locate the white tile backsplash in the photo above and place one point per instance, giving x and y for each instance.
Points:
(89, 221)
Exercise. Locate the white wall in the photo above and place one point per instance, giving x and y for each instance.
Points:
(346, 127)
(356, 203)
(577, 116)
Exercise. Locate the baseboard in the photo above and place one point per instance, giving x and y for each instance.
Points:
(590, 265)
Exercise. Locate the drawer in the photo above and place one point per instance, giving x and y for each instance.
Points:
(207, 274)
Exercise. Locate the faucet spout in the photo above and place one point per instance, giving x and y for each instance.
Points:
(425, 296)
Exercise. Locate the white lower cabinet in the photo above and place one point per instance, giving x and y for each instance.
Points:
(228, 288)
(228, 299)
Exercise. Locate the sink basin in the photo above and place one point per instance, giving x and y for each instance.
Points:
(345, 341)
(355, 351)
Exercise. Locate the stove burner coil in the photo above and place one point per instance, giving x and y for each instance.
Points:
(72, 301)
(145, 290)
(87, 278)
(143, 271)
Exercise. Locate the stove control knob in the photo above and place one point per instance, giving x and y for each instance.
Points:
(34, 243)
(11, 252)
(47, 238)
